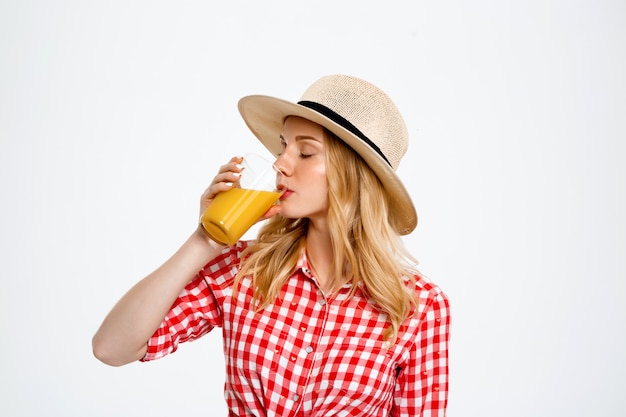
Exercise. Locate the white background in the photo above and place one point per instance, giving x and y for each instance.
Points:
(115, 115)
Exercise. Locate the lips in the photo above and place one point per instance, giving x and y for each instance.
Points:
(286, 193)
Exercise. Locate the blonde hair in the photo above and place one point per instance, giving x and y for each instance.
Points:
(366, 248)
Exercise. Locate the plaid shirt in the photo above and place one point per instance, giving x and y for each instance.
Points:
(310, 355)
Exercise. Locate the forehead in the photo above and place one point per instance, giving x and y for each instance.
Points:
(297, 127)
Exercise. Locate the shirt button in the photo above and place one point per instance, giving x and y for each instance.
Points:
(296, 397)
(322, 302)
(309, 349)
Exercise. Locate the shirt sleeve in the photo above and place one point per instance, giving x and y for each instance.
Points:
(422, 385)
(198, 308)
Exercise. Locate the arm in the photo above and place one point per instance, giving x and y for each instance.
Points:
(422, 386)
(122, 337)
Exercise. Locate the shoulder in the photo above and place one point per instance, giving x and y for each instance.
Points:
(430, 296)
(230, 257)
(222, 270)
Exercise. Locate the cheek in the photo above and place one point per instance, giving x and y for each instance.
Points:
(319, 175)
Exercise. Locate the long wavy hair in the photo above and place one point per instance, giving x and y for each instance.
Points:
(367, 250)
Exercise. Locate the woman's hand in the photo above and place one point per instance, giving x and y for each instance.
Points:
(272, 211)
(227, 176)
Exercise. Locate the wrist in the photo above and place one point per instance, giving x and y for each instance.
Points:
(202, 235)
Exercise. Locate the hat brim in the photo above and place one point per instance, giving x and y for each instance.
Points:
(265, 115)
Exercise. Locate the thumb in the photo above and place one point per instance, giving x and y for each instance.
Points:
(272, 211)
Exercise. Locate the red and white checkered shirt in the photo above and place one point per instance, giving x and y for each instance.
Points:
(309, 355)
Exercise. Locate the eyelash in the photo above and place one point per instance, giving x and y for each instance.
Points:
(302, 155)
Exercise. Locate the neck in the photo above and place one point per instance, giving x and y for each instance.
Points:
(320, 255)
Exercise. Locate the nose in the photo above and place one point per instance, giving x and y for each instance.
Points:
(281, 167)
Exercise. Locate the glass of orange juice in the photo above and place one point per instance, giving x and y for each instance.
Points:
(233, 212)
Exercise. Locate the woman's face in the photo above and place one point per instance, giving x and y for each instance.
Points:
(301, 168)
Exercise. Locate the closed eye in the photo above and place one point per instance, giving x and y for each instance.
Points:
(283, 145)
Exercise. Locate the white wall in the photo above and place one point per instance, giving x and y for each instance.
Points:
(115, 115)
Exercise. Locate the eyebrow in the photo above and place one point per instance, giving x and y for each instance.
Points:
(302, 137)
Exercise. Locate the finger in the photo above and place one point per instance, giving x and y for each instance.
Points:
(234, 165)
(228, 175)
(230, 172)
(216, 188)
(272, 211)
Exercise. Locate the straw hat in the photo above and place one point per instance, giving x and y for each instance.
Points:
(357, 112)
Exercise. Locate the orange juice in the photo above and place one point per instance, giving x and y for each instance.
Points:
(233, 212)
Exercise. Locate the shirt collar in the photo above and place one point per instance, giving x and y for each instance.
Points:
(303, 264)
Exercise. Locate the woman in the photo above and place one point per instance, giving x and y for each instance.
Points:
(323, 314)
